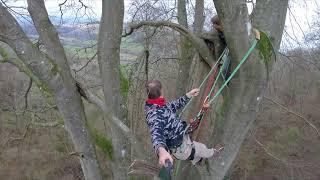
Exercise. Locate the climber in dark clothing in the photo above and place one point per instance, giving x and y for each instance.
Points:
(168, 130)
(217, 25)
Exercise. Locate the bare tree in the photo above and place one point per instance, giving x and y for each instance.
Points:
(53, 71)
(50, 71)
(247, 88)
(109, 61)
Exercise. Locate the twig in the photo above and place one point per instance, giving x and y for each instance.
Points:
(265, 149)
(19, 138)
(270, 154)
(61, 12)
(26, 94)
(165, 58)
(89, 60)
(294, 113)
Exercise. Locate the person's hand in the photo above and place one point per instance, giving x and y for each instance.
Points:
(193, 92)
(206, 104)
(217, 150)
(163, 156)
(218, 27)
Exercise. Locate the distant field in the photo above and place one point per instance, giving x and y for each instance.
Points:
(74, 47)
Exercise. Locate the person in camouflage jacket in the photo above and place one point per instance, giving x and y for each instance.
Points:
(168, 130)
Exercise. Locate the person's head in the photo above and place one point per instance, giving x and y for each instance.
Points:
(215, 20)
(216, 23)
(154, 89)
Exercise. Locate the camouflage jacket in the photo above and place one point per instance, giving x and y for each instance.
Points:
(165, 126)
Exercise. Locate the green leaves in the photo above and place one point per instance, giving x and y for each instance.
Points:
(266, 50)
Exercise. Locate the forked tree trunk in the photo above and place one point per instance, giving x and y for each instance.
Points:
(56, 79)
(238, 110)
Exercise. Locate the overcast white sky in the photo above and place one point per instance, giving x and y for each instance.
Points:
(299, 18)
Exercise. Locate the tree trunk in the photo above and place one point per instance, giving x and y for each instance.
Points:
(109, 62)
(186, 51)
(198, 17)
(57, 81)
(240, 105)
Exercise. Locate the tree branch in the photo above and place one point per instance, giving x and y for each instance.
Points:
(26, 94)
(197, 42)
(48, 34)
(20, 65)
(89, 60)
(294, 113)
(94, 99)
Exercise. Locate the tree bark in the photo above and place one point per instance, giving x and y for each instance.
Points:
(109, 62)
(65, 93)
(198, 17)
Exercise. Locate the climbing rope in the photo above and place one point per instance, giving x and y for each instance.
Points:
(206, 78)
(245, 57)
(194, 125)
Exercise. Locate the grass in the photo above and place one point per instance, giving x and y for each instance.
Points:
(102, 142)
(286, 141)
(127, 45)
(124, 82)
(131, 46)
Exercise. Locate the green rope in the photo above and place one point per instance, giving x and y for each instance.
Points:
(245, 57)
(216, 80)
(214, 85)
(205, 79)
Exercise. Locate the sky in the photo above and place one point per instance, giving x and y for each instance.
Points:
(301, 14)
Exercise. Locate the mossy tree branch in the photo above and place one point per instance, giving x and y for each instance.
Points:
(23, 68)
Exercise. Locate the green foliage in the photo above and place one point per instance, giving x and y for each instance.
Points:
(55, 68)
(124, 82)
(102, 142)
(60, 121)
(223, 108)
(254, 163)
(227, 176)
(4, 53)
(290, 137)
(293, 134)
(287, 141)
(61, 144)
(60, 147)
(266, 50)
